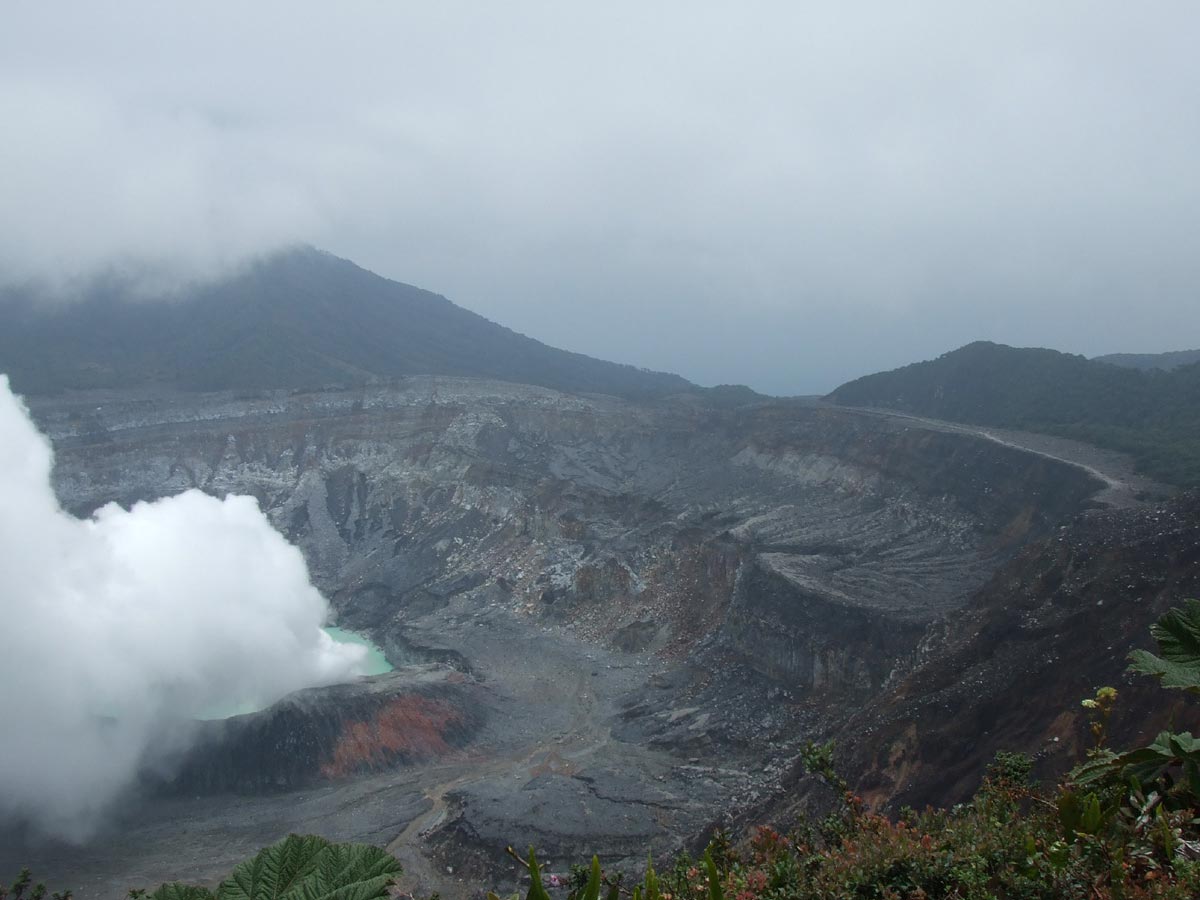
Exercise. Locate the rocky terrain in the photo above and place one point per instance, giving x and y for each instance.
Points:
(615, 620)
(1008, 672)
(398, 719)
(1150, 413)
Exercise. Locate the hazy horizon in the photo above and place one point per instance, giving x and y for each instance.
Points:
(780, 195)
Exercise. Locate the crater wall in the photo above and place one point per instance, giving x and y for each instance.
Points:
(814, 542)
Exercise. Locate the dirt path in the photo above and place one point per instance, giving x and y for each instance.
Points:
(1123, 486)
(582, 737)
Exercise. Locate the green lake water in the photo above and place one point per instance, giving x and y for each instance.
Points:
(375, 664)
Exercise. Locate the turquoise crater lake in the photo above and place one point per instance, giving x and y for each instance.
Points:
(375, 663)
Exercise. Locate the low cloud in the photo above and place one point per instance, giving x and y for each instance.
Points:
(121, 628)
(675, 185)
(94, 186)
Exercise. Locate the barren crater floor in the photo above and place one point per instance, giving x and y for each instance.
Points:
(612, 622)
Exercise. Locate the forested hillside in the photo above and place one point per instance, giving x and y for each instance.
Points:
(299, 319)
(1165, 361)
(1153, 415)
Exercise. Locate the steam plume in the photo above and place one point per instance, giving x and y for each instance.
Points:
(120, 628)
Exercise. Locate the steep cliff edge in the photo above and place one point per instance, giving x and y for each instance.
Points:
(399, 719)
(647, 526)
(1008, 671)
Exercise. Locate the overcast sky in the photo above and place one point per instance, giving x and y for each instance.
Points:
(781, 194)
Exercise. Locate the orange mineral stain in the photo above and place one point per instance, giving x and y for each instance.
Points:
(413, 727)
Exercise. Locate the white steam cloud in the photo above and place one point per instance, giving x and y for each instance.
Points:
(121, 627)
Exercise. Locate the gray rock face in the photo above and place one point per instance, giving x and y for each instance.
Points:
(657, 601)
(590, 512)
(399, 719)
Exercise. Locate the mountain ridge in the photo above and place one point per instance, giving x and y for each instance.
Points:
(300, 318)
(1152, 415)
(1172, 359)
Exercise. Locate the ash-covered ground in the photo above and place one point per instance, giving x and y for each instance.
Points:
(613, 623)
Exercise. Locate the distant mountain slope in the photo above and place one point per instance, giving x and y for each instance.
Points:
(1165, 361)
(301, 318)
(1153, 415)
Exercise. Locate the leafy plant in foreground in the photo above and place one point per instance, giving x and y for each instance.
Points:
(299, 868)
(23, 883)
(1169, 765)
(1178, 637)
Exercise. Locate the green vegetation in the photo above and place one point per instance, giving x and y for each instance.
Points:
(24, 889)
(1010, 841)
(1152, 415)
(1178, 636)
(298, 868)
(1172, 359)
(1123, 825)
